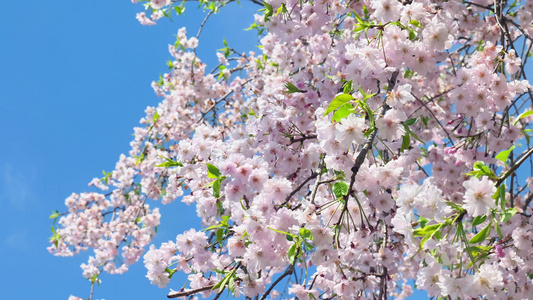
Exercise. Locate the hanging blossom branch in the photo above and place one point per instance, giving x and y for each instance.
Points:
(286, 147)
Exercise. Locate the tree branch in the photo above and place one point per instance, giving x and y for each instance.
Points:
(175, 294)
(514, 167)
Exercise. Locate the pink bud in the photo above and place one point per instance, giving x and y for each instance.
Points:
(499, 251)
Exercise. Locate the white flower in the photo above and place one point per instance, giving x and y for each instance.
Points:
(478, 196)
(390, 126)
(487, 279)
(436, 35)
(387, 10)
(351, 129)
(158, 4)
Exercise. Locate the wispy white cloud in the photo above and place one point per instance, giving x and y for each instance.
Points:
(15, 188)
(17, 240)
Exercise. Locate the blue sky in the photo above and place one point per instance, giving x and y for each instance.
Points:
(74, 80)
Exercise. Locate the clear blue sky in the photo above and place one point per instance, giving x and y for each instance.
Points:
(74, 80)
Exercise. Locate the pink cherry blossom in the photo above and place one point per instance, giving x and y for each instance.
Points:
(357, 150)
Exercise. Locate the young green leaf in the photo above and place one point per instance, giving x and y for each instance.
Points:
(340, 189)
(213, 172)
(169, 163)
(216, 188)
(345, 110)
(337, 102)
(306, 233)
(478, 220)
(523, 115)
(220, 236)
(291, 88)
(428, 229)
(292, 252)
(482, 235)
(406, 142)
(410, 121)
(508, 214)
(504, 155)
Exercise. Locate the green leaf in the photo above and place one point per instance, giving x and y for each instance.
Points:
(423, 221)
(169, 163)
(475, 250)
(411, 133)
(231, 285)
(170, 272)
(426, 237)
(369, 113)
(281, 9)
(406, 142)
(478, 220)
(480, 169)
(348, 87)
(282, 232)
(410, 121)
(340, 189)
(412, 34)
(482, 235)
(55, 214)
(291, 88)
(94, 278)
(220, 236)
(213, 172)
(106, 177)
(337, 102)
(501, 195)
(504, 155)
(220, 286)
(358, 18)
(140, 159)
(365, 95)
(216, 188)
(292, 252)
(415, 23)
(345, 110)
(508, 214)
(428, 229)
(306, 233)
(289, 237)
(179, 9)
(523, 115)
(498, 229)
(268, 11)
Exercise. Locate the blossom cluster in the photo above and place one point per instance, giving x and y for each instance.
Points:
(369, 144)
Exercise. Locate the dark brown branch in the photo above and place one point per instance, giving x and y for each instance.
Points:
(514, 167)
(527, 201)
(434, 117)
(313, 176)
(368, 145)
(518, 27)
(190, 292)
(288, 271)
(303, 138)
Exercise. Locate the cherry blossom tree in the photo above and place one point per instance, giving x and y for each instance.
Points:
(367, 145)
